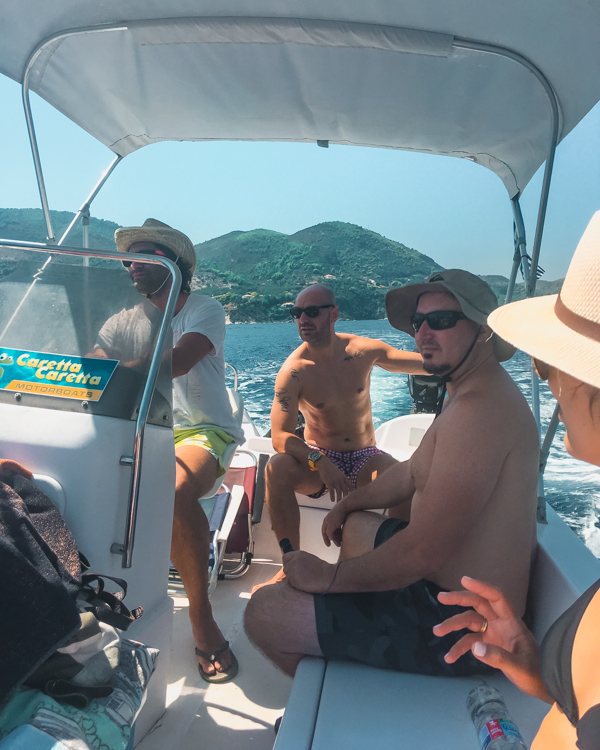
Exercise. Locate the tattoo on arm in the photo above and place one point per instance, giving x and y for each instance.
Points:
(295, 374)
(284, 401)
(357, 355)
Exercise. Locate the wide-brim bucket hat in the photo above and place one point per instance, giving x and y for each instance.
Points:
(562, 330)
(153, 230)
(476, 298)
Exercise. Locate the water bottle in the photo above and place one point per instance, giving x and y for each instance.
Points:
(493, 725)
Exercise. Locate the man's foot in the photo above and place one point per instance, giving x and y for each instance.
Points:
(209, 641)
(279, 576)
(218, 675)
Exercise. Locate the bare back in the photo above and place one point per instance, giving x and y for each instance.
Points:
(475, 478)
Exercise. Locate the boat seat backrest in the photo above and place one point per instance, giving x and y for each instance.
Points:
(237, 404)
(403, 433)
(564, 568)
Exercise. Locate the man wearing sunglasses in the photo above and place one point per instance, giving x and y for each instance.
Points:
(471, 486)
(204, 424)
(327, 379)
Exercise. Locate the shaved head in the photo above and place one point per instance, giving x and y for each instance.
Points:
(323, 294)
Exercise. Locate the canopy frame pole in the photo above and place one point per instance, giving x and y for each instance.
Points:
(555, 120)
(84, 210)
(544, 455)
(29, 116)
(520, 258)
(37, 163)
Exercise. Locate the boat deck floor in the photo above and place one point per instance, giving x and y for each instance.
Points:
(239, 714)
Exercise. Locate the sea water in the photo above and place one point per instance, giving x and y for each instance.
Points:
(258, 350)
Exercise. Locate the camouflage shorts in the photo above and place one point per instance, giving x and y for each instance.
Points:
(392, 629)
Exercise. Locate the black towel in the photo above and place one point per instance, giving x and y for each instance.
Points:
(39, 581)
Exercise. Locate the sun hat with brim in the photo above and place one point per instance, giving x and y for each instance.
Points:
(474, 295)
(153, 230)
(562, 330)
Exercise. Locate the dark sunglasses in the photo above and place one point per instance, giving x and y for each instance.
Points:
(157, 251)
(312, 311)
(541, 368)
(437, 320)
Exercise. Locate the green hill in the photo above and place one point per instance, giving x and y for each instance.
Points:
(253, 273)
(28, 224)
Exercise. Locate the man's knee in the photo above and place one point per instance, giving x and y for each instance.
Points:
(260, 613)
(359, 532)
(194, 479)
(281, 469)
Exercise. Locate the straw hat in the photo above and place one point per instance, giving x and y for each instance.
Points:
(474, 295)
(563, 329)
(153, 230)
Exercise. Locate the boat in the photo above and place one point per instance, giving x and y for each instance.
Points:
(498, 84)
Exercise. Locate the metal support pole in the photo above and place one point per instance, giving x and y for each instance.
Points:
(27, 70)
(550, 433)
(88, 201)
(513, 277)
(521, 240)
(36, 161)
(520, 259)
(537, 242)
(544, 454)
(555, 124)
(85, 222)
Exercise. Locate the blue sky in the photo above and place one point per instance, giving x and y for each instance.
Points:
(451, 209)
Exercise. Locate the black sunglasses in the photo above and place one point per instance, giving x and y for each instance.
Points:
(437, 320)
(312, 311)
(155, 251)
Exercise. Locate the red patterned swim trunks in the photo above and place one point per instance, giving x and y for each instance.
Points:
(350, 462)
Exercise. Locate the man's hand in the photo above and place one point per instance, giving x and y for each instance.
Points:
(332, 524)
(335, 480)
(506, 643)
(306, 572)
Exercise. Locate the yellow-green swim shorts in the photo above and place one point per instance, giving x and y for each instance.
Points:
(212, 439)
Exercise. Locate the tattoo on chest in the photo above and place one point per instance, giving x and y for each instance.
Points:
(294, 374)
(283, 399)
(357, 355)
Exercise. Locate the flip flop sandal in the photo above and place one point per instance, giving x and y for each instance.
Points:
(226, 674)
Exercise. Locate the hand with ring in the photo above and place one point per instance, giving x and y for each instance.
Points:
(498, 637)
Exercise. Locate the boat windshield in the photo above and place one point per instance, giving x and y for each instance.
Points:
(56, 317)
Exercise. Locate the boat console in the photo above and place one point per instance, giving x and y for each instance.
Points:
(70, 418)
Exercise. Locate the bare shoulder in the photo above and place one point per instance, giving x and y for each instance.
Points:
(359, 346)
(363, 342)
(294, 365)
(498, 412)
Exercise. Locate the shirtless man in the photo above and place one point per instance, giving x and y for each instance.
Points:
(326, 378)
(472, 483)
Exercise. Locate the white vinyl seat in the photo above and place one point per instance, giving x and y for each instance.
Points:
(337, 703)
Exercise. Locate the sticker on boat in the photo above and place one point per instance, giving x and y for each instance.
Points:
(57, 375)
